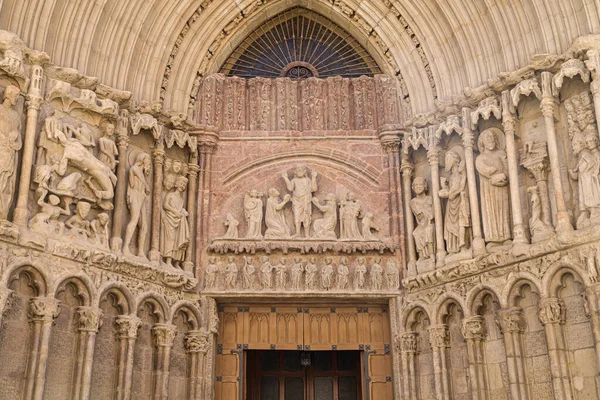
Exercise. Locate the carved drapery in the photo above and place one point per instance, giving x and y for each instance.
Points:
(433, 154)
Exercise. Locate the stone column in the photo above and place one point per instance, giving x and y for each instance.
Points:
(89, 320)
(206, 148)
(548, 104)
(408, 349)
(158, 157)
(439, 339)
(433, 156)
(473, 330)
(34, 101)
(552, 315)
(197, 344)
(593, 64)
(513, 326)
(126, 334)
(192, 200)
(206, 190)
(391, 145)
(407, 170)
(509, 123)
(42, 312)
(592, 298)
(116, 241)
(164, 334)
(468, 143)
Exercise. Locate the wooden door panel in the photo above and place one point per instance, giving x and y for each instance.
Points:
(379, 380)
(289, 333)
(348, 324)
(375, 328)
(228, 370)
(320, 329)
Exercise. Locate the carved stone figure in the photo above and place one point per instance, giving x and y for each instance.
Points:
(302, 188)
(360, 272)
(48, 140)
(46, 220)
(10, 144)
(458, 215)
(232, 227)
(99, 229)
(280, 274)
(392, 275)
(492, 166)
(266, 275)
(324, 228)
(174, 226)
(212, 273)
(422, 208)
(537, 227)
(350, 211)
(79, 227)
(327, 273)
(376, 274)
(277, 228)
(342, 274)
(297, 270)
(368, 226)
(137, 194)
(310, 274)
(253, 209)
(248, 273)
(587, 174)
(107, 149)
(231, 273)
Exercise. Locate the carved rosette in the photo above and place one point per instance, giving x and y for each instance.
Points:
(43, 309)
(511, 320)
(89, 319)
(197, 341)
(474, 328)
(439, 336)
(408, 342)
(164, 334)
(127, 326)
(552, 311)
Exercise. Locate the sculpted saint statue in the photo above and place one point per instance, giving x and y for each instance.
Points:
(137, 193)
(10, 144)
(492, 166)
(231, 273)
(266, 270)
(537, 227)
(310, 273)
(297, 270)
(302, 188)
(232, 227)
(280, 274)
(342, 274)
(253, 209)
(458, 214)
(350, 210)
(422, 207)
(212, 272)
(248, 272)
(107, 149)
(360, 272)
(587, 174)
(46, 220)
(277, 228)
(324, 228)
(392, 275)
(376, 274)
(327, 273)
(174, 226)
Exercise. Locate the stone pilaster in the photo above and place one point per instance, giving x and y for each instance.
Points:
(126, 334)
(197, 344)
(88, 322)
(473, 330)
(164, 335)
(121, 189)
(408, 346)
(390, 142)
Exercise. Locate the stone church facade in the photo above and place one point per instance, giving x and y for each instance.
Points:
(299, 200)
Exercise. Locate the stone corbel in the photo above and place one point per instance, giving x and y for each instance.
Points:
(487, 107)
(570, 69)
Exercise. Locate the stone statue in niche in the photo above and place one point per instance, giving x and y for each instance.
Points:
(310, 274)
(342, 274)
(587, 174)
(266, 273)
(457, 220)
(537, 227)
(297, 270)
(350, 211)
(174, 226)
(368, 227)
(302, 188)
(277, 228)
(376, 274)
(107, 149)
(422, 207)
(492, 166)
(138, 191)
(248, 274)
(231, 273)
(253, 210)
(212, 273)
(360, 273)
(327, 273)
(392, 275)
(46, 220)
(10, 144)
(232, 227)
(79, 227)
(324, 228)
(280, 274)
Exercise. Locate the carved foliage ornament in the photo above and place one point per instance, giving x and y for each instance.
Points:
(127, 326)
(89, 319)
(43, 309)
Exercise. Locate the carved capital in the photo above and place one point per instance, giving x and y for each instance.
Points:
(474, 328)
(43, 309)
(539, 170)
(433, 155)
(407, 168)
(123, 141)
(34, 102)
(552, 311)
(547, 106)
(127, 326)
(438, 335)
(206, 147)
(158, 155)
(407, 342)
(193, 169)
(593, 62)
(164, 334)
(197, 341)
(511, 320)
(89, 319)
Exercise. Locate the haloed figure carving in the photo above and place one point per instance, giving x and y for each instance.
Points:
(302, 188)
(137, 194)
(10, 144)
(422, 208)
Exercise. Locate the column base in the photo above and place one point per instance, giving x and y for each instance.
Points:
(520, 234)
(563, 223)
(20, 216)
(154, 255)
(440, 259)
(116, 244)
(479, 246)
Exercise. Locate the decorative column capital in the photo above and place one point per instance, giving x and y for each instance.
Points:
(43, 309)
(123, 140)
(433, 156)
(164, 334)
(127, 326)
(207, 146)
(158, 154)
(407, 168)
(34, 102)
(89, 319)
(439, 336)
(473, 328)
(390, 141)
(552, 311)
(407, 342)
(193, 169)
(511, 320)
(197, 341)
(593, 62)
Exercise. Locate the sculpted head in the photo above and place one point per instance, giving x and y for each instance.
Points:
(313, 260)
(591, 141)
(273, 192)
(328, 260)
(168, 165)
(143, 160)
(181, 183)
(83, 209)
(103, 219)
(109, 129)
(488, 140)
(11, 94)
(300, 171)
(177, 166)
(362, 260)
(343, 260)
(231, 259)
(578, 143)
(297, 260)
(419, 185)
(212, 259)
(452, 159)
(53, 200)
(264, 259)
(169, 182)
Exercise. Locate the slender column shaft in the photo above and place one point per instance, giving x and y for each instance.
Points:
(192, 205)
(408, 349)
(473, 330)
(512, 325)
(593, 64)
(553, 314)
(392, 197)
(594, 310)
(164, 334)
(433, 156)
(407, 170)
(88, 322)
(119, 211)
(200, 210)
(206, 196)
(158, 156)
(126, 333)
(438, 337)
